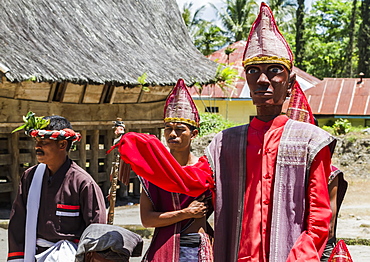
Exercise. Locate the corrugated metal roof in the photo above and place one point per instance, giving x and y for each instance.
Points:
(241, 87)
(340, 96)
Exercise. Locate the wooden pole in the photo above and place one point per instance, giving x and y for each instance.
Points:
(14, 167)
(113, 189)
(120, 129)
(82, 150)
(94, 161)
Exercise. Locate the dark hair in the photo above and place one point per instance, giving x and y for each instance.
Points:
(59, 123)
(192, 128)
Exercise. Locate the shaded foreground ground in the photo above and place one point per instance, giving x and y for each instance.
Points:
(353, 224)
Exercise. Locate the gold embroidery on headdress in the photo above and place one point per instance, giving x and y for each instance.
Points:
(268, 60)
(181, 120)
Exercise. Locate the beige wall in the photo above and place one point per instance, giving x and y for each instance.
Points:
(238, 111)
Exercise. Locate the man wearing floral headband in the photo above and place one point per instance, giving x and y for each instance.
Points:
(270, 177)
(56, 199)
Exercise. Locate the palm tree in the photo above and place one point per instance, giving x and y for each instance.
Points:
(237, 17)
(209, 38)
(284, 13)
(192, 20)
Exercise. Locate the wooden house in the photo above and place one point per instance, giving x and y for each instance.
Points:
(82, 59)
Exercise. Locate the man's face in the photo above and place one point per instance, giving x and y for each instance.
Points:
(178, 135)
(48, 150)
(268, 83)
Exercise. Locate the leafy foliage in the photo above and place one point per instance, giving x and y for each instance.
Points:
(208, 37)
(331, 40)
(237, 17)
(284, 13)
(213, 123)
(142, 80)
(341, 126)
(225, 78)
(32, 122)
(327, 32)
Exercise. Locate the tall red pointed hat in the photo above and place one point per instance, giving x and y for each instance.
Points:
(340, 253)
(299, 109)
(180, 106)
(265, 44)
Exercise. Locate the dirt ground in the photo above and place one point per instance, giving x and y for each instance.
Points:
(354, 216)
(352, 157)
(353, 223)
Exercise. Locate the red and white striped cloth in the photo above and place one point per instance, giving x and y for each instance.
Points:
(64, 134)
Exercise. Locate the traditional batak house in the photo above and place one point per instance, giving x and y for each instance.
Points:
(82, 59)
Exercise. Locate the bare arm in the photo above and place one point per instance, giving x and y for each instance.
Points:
(333, 188)
(151, 218)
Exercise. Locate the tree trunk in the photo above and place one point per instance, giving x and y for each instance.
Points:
(348, 71)
(299, 41)
(364, 40)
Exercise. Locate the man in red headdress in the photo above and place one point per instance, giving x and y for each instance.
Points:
(180, 221)
(299, 109)
(271, 197)
(56, 199)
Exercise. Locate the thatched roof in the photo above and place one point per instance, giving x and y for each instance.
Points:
(98, 41)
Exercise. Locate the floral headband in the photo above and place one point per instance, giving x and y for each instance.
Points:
(33, 127)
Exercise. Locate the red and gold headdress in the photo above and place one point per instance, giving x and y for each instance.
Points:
(340, 253)
(180, 106)
(299, 109)
(265, 43)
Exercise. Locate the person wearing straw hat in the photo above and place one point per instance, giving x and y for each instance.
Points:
(56, 199)
(270, 177)
(180, 221)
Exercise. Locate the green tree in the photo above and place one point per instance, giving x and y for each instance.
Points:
(327, 32)
(192, 19)
(364, 39)
(213, 123)
(206, 36)
(209, 38)
(284, 13)
(237, 17)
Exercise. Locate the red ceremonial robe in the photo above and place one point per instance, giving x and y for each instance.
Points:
(150, 159)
